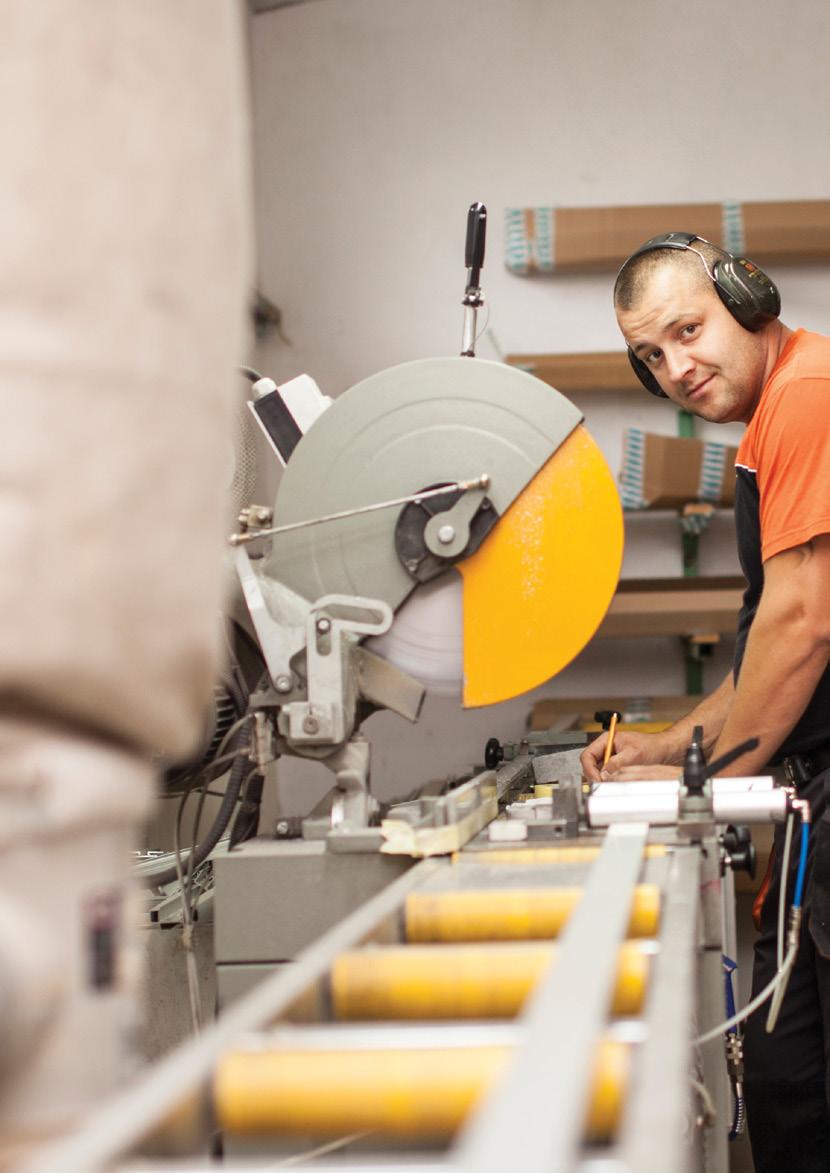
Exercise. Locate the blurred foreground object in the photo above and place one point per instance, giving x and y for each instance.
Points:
(124, 283)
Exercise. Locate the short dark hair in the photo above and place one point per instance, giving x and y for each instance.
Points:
(636, 273)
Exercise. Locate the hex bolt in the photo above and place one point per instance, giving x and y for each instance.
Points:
(283, 684)
(311, 724)
(446, 534)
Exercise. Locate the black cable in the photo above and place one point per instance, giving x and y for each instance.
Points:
(246, 824)
(240, 742)
(200, 852)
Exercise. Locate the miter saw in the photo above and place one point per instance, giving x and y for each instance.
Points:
(437, 523)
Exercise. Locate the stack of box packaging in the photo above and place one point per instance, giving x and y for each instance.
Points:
(579, 240)
(667, 472)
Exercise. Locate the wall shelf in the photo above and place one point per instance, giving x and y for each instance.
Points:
(575, 373)
(673, 606)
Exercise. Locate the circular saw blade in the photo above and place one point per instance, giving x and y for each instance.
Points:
(426, 638)
(538, 588)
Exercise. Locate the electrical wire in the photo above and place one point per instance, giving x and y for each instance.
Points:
(782, 895)
(193, 992)
(794, 930)
(776, 988)
(331, 1147)
(750, 1007)
(802, 864)
(200, 852)
(484, 327)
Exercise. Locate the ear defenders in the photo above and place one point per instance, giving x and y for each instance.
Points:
(747, 292)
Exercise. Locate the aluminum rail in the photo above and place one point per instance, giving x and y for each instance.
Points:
(118, 1127)
(652, 1140)
(541, 1100)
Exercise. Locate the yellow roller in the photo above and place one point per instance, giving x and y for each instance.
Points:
(539, 586)
(501, 914)
(417, 1093)
(460, 981)
(545, 855)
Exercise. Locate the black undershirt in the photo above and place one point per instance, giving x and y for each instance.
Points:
(813, 728)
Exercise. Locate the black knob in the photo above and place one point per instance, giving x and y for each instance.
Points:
(493, 753)
(694, 765)
(737, 842)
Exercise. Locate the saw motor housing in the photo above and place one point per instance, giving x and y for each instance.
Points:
(430, 468)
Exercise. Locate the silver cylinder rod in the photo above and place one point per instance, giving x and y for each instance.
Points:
(734, 800)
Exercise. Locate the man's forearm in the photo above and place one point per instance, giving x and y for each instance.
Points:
(779, 674)
(711, 713)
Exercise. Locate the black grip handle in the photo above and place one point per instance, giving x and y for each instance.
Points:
(474, 248)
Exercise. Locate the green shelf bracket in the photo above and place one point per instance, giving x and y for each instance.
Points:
(697, 648)
(694, 676)
(685, 424)
(691, 552)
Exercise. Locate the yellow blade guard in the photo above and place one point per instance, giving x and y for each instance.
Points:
(539, 586)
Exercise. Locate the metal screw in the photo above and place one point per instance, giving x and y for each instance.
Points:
(324, 626)
(281, 827)
(446, 534)
(283, 683)
(311, 724)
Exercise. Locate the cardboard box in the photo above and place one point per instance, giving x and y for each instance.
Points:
(580, 240)
(667, 472)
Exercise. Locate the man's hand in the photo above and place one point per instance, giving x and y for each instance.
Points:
(660, 773)
(630, 749)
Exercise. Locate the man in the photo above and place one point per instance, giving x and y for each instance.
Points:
(702, 329)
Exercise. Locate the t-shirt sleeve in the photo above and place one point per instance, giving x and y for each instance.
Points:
(793, 453)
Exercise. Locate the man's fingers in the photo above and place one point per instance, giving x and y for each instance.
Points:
(653, 773)
(591, 758)
(612, 767)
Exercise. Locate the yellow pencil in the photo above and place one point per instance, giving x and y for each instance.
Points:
(609, 746)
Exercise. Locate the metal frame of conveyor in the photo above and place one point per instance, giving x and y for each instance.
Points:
(531, 1116)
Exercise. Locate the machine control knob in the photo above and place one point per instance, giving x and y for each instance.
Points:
(738, 845)
(493, 753)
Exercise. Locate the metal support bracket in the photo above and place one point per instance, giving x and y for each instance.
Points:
(327, 717)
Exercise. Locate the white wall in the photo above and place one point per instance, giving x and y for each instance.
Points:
(377, 123)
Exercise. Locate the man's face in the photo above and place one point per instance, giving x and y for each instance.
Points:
(702, 358)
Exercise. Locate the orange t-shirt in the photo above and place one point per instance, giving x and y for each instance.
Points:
(782, 494)
(787, 446)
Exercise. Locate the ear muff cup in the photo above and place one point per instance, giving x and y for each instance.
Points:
(747, 292)
(644, 375)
